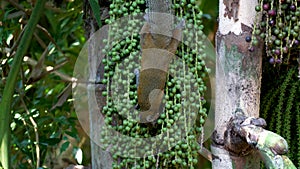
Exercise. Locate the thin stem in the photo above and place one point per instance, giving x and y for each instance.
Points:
(5, 110)
(63, 76)
(18, 6)
(35, 129)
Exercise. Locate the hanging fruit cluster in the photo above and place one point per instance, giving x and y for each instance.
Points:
(279, 29)
(121, 62)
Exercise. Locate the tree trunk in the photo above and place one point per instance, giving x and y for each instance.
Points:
(100, 158)
(238, 79)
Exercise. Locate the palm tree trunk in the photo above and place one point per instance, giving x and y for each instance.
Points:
(238, 80)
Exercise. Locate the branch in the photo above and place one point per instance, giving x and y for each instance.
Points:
(35, 129)
(49, 5)
(50, 69)
(40, 41)
(5, 111)
(18, 6)
(65, 77)
(45, 31)
(270, 146)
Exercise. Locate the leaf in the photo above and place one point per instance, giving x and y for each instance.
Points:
(96, 10)
(64, 146)
(78, 155)
(52, 69)
(52, 21)
(24, 143)
(41, 120)
(63, 96)
(62, 119)
(49, 141)
(72, 134)
(55, 134)
(38, 68)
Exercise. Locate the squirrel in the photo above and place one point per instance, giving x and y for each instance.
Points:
(157, 52)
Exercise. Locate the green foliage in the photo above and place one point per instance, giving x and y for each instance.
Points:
(5, 111)
(210, 14)
(37, 96)
(281, 100)
(298, 131)
(280, 106)
(96, 11)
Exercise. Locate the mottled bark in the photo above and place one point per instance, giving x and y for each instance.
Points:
(237, 92)
(238, 79)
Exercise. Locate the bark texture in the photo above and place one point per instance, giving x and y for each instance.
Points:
(237, 93)
(238, 80)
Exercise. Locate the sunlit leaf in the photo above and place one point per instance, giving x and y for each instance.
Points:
(49, 141)
(64, 146)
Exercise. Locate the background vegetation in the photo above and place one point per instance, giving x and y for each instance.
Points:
(42, 113)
